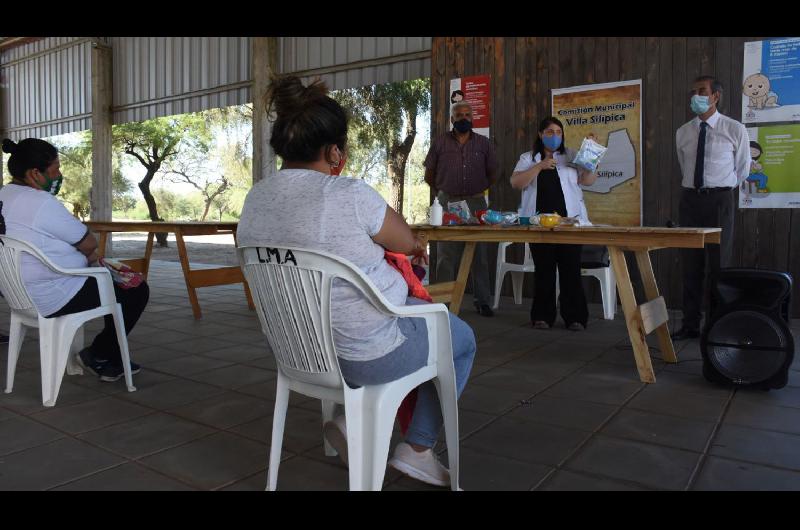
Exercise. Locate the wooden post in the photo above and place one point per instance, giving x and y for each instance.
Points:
(101, 192)
(264, 59)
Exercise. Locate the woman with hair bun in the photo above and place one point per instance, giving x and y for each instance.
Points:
(305, 205)
(30, 212)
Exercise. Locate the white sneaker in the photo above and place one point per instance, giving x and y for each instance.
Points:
(422, 466)
(336, 433)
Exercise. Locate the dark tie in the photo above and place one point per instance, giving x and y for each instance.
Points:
(701, 152)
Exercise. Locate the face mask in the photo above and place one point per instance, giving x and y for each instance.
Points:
(551, 142)
(700, 104)
(463, 125)
(53, 186)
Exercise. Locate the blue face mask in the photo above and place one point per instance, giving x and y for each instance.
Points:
(551, 142)
(700, 104)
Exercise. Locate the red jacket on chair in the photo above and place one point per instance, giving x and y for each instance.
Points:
(417, 290)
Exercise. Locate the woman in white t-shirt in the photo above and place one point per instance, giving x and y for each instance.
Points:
(31, 213)
(304, 205)
(551, 184)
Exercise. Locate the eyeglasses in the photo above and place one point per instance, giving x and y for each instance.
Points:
(551, 132)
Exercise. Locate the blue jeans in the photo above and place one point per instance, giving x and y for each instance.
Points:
(410, 357)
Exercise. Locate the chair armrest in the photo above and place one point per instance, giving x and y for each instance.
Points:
(86, 271)
(105, 285)
(411, 311)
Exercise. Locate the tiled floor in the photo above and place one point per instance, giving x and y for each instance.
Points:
(544, 410)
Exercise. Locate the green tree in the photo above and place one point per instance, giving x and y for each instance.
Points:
(76, 166)
(154, 142)
(385, 117)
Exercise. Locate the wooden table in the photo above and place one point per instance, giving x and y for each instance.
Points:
(194, 278)
(641, 319)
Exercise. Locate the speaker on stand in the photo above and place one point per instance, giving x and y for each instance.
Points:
(747, 340)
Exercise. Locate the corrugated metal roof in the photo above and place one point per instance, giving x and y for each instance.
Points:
(350, 62)
(45, 86)
(162, 76)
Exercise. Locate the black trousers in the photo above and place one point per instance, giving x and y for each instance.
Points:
(133, 301)
(701, 210)
(546, 257)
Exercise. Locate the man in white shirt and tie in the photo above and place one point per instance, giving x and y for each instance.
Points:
(714, 155)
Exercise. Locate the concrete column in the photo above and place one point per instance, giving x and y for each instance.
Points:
(101, 193)
(264, 57)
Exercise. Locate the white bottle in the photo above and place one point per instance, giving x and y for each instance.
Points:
(436, 213)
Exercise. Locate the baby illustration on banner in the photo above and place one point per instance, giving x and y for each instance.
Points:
(756, 178)
(756, 87)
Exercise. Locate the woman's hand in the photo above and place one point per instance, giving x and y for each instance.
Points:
(547, 163)
(93, 259)
(420, 253)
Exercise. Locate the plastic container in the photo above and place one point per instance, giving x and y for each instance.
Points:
(436, 213)
(549, 220)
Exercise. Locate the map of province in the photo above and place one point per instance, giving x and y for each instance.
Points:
(618, 164)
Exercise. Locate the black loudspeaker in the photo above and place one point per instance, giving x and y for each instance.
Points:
(747, 340)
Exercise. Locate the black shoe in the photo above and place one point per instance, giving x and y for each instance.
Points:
(3, 339)
(112, 372)
(484, 310)
(684, 334)
(88, 361)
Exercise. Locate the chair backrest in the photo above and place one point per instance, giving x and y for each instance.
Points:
(291, 288)
(594, 256)
(11, 283)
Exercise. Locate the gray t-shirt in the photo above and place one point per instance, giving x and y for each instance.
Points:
(339, 215)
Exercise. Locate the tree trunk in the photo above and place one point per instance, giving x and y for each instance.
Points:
(397, 160)
(152, 208)
(208, 207)
(397, 173)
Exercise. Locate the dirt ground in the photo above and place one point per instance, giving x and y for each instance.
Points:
(214, 250)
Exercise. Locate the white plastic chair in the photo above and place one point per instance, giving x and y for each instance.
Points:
(291, 289)
(517, 272)
(605, 275)
(60, 338)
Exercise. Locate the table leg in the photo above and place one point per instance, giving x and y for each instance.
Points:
(651, 291)
(148, 251)
(186, 273)
(461, 279)
(250, 303)
(641, 352)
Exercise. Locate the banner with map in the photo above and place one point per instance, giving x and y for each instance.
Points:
(613, 112)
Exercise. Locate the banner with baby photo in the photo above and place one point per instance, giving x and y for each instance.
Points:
(613, 113)
(771, 81)
(774, 180)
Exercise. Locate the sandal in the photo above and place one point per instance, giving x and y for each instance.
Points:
(541, 324)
